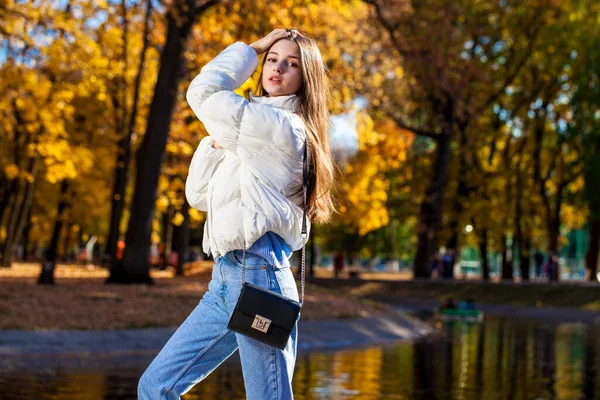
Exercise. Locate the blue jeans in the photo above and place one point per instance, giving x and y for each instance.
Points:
(203, 342)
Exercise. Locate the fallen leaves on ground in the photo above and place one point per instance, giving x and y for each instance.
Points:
(80, 300)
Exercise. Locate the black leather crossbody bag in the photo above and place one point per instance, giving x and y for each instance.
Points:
(265, 315)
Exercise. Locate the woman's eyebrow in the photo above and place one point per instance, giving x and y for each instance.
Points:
(288, 56)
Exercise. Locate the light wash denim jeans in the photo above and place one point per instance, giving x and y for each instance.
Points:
(203, 341)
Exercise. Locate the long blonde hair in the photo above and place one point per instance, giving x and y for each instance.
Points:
(315, 98)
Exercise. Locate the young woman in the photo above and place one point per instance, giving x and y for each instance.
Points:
(247, 174)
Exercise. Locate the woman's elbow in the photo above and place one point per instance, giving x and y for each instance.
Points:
(196, 199)
(195, 98)
(198, 202)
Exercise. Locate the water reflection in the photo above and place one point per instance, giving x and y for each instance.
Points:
(500, 359)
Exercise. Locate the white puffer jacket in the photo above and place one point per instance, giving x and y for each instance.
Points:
(254, 185)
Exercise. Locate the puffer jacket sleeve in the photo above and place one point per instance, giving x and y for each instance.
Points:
(240, 126)
(203, 164)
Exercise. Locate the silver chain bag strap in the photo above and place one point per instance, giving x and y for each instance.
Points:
(264, 315)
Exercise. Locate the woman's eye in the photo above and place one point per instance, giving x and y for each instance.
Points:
(290, 64)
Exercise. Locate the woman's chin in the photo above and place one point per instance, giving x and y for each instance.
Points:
(275, 91)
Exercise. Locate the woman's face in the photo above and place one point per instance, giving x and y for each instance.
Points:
(282, 70)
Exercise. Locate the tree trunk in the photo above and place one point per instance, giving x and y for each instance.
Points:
(118, 197)
(463, 192)
(554, 223)
(182, 238)
(26, 242)
(554, 233)
(134, 268)
(48, 266)
(13, 200)
(26, 235)
(68, 242)
(26, 211)
(552, 215)
(19, 213)
(507, 260)
(520, 242)
(525, 259)
(4, 202)
(168, 235)
(4, 193)
(483, 249)
(591, 258)
(11, 223)
(124, 152)
(431, 209)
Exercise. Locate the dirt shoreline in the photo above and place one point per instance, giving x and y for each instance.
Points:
(558, 302)
(80, 300)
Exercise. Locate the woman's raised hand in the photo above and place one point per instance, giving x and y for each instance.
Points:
(261, 45)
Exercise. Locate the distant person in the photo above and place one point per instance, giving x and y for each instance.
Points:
(338, 263)
(449, 304)
(552, 267)
(539, 263)
(448, 260)
(174, 259)
(120, 249)
(469, 304)
(436, 265)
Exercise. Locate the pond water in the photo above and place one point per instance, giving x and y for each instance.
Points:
(502, 358)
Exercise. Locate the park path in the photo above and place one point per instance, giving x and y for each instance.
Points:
(390, 327)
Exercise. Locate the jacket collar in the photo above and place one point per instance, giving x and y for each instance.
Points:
(289, 103)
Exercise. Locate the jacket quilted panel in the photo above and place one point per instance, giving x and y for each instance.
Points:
(254, 184)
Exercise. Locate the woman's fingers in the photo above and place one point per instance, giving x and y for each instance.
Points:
(274, 36)
(280, 32)
(263, 44)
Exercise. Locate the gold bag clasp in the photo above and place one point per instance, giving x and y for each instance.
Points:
(261, 323)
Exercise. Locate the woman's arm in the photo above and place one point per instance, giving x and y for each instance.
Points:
(205, 159)
(224, 113)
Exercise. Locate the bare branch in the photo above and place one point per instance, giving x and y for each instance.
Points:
(387, 26)
(416, 131)
(510, 77)
(202, 8)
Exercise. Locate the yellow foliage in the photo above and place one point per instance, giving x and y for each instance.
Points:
(364, 190)
(574, 217)
(178, 219)
(163, 183)
(67, 99)
(162, 204)
(577, 184)
(196, 216)
(172, 148)
(11, 171)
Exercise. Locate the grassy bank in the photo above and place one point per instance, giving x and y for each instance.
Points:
(571, 295)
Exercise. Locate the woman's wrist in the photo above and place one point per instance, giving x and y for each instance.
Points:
(256, 48)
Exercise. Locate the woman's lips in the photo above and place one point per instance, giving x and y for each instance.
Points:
(275, 81)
